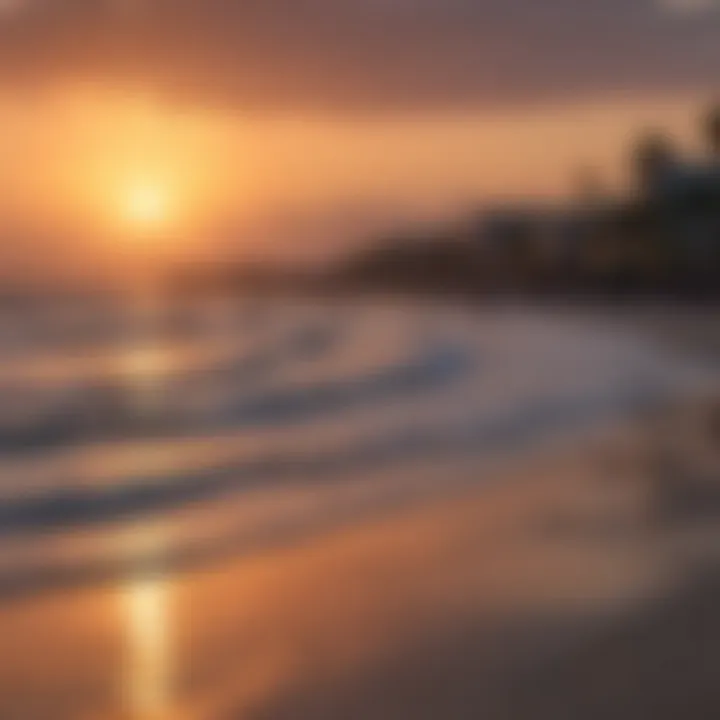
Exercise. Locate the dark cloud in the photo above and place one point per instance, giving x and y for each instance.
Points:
(362, 54)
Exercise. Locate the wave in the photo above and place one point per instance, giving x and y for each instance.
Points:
(72, 507)
(326, 401)
(100, 409)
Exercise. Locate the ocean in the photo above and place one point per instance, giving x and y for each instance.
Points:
(147, 443)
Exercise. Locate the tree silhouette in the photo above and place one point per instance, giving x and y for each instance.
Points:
(654, 158)
(712, 131)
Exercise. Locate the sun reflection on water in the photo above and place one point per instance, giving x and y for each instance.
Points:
(149, 672)
(143, 369)
(146, 601)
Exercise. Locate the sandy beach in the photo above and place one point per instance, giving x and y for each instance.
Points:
(559, 589)
(359, 360)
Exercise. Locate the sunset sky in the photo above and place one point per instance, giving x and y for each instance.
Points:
(293, 128)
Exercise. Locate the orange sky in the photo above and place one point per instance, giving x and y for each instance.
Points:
(288, 185)
(293, 129)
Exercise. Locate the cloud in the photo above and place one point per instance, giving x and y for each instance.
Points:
(689, 7)
(358, 54)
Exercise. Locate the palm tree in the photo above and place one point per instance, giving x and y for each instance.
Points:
(712, 131)
(653, 159)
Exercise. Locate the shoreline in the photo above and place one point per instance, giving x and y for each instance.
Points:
(551, 592)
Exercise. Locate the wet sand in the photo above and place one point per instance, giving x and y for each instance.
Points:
(543, 598)
(559, 591)
(556, 593)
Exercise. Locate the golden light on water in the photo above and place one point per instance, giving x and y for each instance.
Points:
(146, 601)
(146, 605)
(149, 670)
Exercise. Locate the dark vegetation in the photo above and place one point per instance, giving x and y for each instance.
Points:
(660, 238)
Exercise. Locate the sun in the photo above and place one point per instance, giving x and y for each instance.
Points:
(146, 205)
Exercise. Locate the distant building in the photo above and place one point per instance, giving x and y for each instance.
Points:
(679, 200)
(667, 231)
(662, 236)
